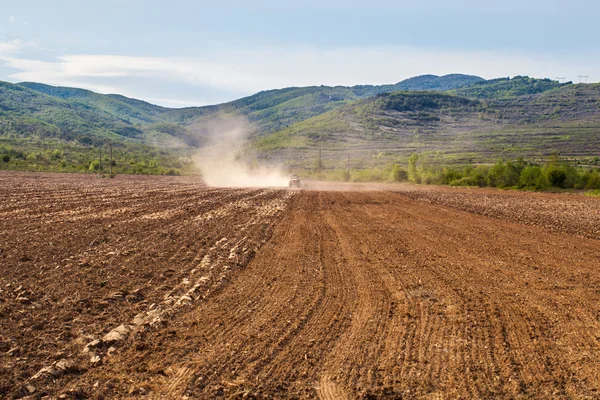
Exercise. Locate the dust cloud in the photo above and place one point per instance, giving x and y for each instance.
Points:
(224, 160)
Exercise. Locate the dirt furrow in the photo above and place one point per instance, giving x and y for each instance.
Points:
(262, 293)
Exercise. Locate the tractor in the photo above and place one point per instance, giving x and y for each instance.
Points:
(294, 181)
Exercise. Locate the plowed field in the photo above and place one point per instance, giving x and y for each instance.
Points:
(163, 288)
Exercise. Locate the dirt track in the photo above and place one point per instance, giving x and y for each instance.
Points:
(313, 294)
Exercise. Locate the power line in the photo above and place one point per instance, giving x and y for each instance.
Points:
(581, 77)
(561, 79)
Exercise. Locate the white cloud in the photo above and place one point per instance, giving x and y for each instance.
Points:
(246, 71)
(11, 47)
(12, 19)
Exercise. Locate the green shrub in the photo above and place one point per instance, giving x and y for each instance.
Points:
(35, 156)
(94, 165)
(465, 181)
(6, 158)
(556, 176)
(533, 177)
(56, 154)
(450, 175)
(399, 174)
(479, 175)
(413, 174)
(504, 174)
(428, 174)
(593, 181)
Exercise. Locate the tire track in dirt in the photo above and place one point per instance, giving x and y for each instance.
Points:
(375, 295)
(311, 294)
(366, 295)
(161, 258)
(476, 332)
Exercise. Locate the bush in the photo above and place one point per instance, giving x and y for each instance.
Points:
(533, 177)
(428, 174)
(479, 175)
(94, 165)
(35, 156)
(6, 158)
(504, 174)
(450, 175)
(556, 176)
(465, 181)
(593, 180)
(399, 174)
(56, 155)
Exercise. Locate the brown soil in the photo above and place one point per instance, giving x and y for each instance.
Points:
(395, 292)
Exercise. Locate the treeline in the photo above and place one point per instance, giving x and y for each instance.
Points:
(519, 174)
(506, 87)
(81, 159)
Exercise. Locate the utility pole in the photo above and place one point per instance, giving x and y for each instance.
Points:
(581, 77)
(100, 164)
(561, 79)
(111, 161)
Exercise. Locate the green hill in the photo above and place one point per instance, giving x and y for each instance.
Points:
(121, 107)
(267, 111)
(459, 118)
(423, 82)
(507, 87)
(31, 113)
(273, 110)
(447, 128)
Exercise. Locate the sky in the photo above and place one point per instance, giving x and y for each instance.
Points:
(192, 53)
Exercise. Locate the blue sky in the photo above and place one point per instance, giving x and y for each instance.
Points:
(181, 53)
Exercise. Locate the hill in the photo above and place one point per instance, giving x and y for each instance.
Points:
(475, 120)
(51, 132)
(273, 110)
(423, 82)
(507, 87)
(121, 107)
(447, 128)
(30, 113)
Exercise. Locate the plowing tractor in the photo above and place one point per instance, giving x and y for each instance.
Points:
(294, 181)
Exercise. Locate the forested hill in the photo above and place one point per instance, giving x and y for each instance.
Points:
(449, 128)
(549, 114)
(507, 87)
(269, 110)
(128, 109)
(423, 82)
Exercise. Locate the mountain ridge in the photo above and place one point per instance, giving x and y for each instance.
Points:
(300, 119)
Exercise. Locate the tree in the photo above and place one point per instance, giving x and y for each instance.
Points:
(413, 174)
